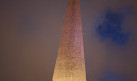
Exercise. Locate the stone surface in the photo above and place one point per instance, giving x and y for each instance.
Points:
(70, 63)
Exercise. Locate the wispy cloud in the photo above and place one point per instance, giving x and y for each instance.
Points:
(111, 28)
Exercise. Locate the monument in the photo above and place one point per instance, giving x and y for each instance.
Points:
(70, 63)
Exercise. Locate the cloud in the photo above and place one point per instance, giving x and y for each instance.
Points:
(111, 28)
(111, 76)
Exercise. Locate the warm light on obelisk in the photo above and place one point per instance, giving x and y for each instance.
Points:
(70, 63)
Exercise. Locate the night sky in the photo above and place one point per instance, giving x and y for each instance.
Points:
(30, 33)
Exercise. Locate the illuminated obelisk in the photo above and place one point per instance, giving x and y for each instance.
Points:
(70, 63)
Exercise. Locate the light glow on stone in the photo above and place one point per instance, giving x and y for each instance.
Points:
(70, 63)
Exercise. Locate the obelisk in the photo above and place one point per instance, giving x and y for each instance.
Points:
(70, 63)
